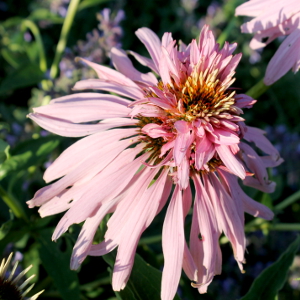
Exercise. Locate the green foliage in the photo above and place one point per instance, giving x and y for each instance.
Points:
(5, 227)
(144, 282)
(35, 39)
(26, 75)
(4, 151)
(57, 265)
(29, 153)
(272, 279)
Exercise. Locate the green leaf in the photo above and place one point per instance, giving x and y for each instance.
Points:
(45, 15)
(5, 227)
(57, 265)
(29, 153)
(272, 279)
(31, 257)
(144, 282)
(26, 75)
(13, 237)
(4, 151)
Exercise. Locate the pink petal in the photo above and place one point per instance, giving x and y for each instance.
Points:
(84, 111)
(209, 234)
(230, 161)
(72, 156)
(204, 152)
(183, 141)
(140, 217)
(224, 137)
(65, 128)
(110, 74)
(110, 86)
(189, 265)
(124, 65)
(147, 62)
(173, 246)
(167, 68)
(285, 57)
(257, 136)
(105, 186)
(91, 96)
(243, 100)
(156, 131)
(86, 170)
(152, 43)
(227, 216)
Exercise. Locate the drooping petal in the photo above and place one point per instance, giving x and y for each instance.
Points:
(173, 246)
(284, 59)
(209, 234)
(230, 161)
(227, 216)
(70, 158)
(65, 128)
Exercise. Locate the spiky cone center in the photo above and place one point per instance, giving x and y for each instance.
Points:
(14, 286)
(200, 98)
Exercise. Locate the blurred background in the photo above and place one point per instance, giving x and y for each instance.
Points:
(33, 71)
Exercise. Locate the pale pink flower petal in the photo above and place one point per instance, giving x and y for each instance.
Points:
(110, 86)
(230, 161)
(106, 73)
(124, 65)
(209, 235)
(70, 158)
(272, 19)
(284, 59)
(152, 43)
(173, 246)
(67, 128)
(84, 111)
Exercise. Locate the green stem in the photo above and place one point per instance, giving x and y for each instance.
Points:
(73, 6)
(13, 204)
(258, 89)
(36, 33)
(255, 224)
(225, 33)
(284, 227)
(288, 201)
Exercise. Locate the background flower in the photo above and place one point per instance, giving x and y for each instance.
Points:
(273, 19)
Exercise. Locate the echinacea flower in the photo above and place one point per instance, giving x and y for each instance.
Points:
(159, 133)
(272, 19)
(12, 285)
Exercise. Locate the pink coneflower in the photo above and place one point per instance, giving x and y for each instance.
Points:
(272, 19)
(185, 127)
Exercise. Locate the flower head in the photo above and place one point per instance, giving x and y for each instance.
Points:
(272, 19)
(12, 285)
(185, 127)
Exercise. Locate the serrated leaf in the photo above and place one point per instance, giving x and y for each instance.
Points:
(29, 153)
(272, 279)
(57, 265)
(144, 281)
